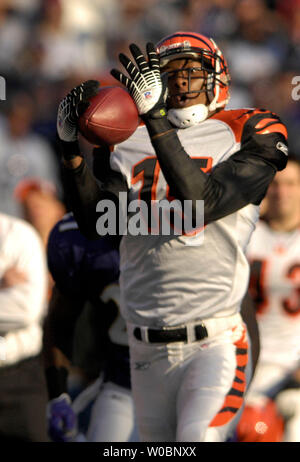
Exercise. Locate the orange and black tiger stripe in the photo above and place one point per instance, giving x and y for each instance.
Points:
(235, 397)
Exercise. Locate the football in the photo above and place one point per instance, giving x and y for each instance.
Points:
(111, 117)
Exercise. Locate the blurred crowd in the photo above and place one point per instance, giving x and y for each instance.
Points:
(48, 46)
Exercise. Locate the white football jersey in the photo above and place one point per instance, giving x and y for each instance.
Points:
(275, 285)
(166, 280)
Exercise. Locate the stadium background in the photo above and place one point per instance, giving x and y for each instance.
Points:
(49, 46)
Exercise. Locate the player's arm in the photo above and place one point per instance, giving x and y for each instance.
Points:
(240, 180)
(82, 190)
(23, 293)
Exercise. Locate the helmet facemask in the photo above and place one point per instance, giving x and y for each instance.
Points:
(212, 70)
(211, 75)
(189, 74)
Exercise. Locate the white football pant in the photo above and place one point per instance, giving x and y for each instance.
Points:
(112, 416)
(190, 391)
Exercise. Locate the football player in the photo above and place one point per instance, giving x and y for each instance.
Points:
(86, 290)
(180, 295)
(274, 253)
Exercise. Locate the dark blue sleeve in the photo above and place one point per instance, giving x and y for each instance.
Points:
(78, 266)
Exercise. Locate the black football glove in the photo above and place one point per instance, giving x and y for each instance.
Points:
(146, 85)
(69, 111)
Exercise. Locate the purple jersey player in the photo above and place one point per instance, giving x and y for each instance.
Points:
(84, 312)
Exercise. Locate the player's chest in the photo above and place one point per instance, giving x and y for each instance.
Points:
(207, 146)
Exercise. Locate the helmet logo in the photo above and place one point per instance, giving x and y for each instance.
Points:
(185, 45)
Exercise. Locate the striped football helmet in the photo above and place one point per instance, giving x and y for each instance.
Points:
(211, 60)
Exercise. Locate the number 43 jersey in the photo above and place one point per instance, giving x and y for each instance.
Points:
(173, 279)
(275, 286)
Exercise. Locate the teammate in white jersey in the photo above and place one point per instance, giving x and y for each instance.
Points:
(181, 300)
(274, 253)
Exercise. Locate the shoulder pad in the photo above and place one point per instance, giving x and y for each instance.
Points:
(262, 122)
(247, 122)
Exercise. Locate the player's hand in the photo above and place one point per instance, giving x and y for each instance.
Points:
(61, 419)
(71, 108)
(146, 85)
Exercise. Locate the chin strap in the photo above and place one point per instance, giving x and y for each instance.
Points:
(188, 116)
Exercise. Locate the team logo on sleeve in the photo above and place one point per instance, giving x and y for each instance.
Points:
(282, 147)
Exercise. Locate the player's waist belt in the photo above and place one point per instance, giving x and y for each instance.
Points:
(187, 333)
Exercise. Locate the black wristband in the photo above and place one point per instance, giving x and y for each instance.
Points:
(56, 379)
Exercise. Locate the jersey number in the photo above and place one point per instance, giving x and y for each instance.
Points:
(292, 304)
(257, 287)
(147, 172)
